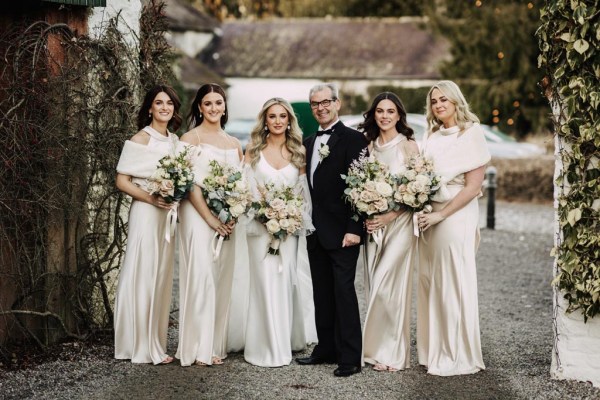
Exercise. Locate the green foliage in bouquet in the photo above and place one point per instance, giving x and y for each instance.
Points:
(226, 193)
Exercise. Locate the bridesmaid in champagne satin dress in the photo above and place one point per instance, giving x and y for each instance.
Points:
(205, 282)
(143, 295)
(448, 339)
(389, 259)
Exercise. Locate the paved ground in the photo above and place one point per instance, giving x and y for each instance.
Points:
(515, 306)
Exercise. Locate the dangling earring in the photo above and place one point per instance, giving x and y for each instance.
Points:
(289, 128)
(224, 112)
(266, 130)
(150, 115)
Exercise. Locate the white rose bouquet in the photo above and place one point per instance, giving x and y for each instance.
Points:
(226, 192)
(417, 184)
(172, 180)
(280, 211)
(370, 188)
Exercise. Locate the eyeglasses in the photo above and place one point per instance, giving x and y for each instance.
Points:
(324, 103)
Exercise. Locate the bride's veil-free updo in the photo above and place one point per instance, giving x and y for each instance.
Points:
(293, 135)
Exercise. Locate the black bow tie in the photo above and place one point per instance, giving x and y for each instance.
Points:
(325, 132)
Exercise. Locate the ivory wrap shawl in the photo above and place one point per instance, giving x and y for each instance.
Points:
(455, 155)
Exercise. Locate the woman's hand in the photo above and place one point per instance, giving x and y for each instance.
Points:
(381, 220)
(428, 220)
(159, 201)
(221, 228)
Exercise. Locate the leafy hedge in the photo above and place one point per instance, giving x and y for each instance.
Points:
(569, 40)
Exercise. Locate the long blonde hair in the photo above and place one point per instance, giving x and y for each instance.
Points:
(464, 115)
(293, 135)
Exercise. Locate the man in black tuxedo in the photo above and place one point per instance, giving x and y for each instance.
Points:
(333, 248)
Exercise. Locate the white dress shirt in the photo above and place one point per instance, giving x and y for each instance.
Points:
(316, 158)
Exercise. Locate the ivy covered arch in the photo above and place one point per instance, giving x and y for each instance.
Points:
(569, 39)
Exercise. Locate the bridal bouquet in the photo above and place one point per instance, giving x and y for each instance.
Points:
(370, 187)
(227, 194)
(417, 184)
(280, 211)
(172, 180)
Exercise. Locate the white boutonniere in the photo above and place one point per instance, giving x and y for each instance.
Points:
(323, 151)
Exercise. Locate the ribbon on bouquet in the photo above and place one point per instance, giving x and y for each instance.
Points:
(416, 223)
(427, 209)
(378, 237)
(171, 221)
(216, 245)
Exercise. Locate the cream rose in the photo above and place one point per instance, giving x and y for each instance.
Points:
(416, 187)
(422, 198)
(408, 199)
(237, 210)
(362, 206)
(167, 188)
(384, 189)
(411, 174)
(241, 186)
(270, 213)
(423, 179)
(284, 223)
(273, 226)
(277, 204)
(381, 205)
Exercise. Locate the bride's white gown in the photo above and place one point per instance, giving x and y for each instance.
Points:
(275, 321)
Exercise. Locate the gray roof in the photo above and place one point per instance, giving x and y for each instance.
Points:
(194, 73)
(327, 49)
(183, 17)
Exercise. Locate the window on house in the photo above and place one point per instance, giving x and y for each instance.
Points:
(88, 3)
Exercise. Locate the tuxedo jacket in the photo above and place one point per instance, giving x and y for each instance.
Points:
(331, 214)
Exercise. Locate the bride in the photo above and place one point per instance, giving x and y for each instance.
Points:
(275, 323)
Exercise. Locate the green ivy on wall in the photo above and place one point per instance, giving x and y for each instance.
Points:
(569, 39)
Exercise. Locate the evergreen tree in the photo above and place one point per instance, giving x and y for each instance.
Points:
(494, 59)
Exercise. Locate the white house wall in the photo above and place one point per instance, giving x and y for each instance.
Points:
(191, 43)
(129, 23)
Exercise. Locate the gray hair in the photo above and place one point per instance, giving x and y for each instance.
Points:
(322, 86)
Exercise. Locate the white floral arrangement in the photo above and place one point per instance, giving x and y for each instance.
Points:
(417, 184)
(226, 193)
(173, 178)
(280, 211)
(370, 187)
(323, 151)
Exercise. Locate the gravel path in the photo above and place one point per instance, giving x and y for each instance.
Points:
(515, 307)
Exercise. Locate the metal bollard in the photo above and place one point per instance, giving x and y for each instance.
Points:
(490, 177)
